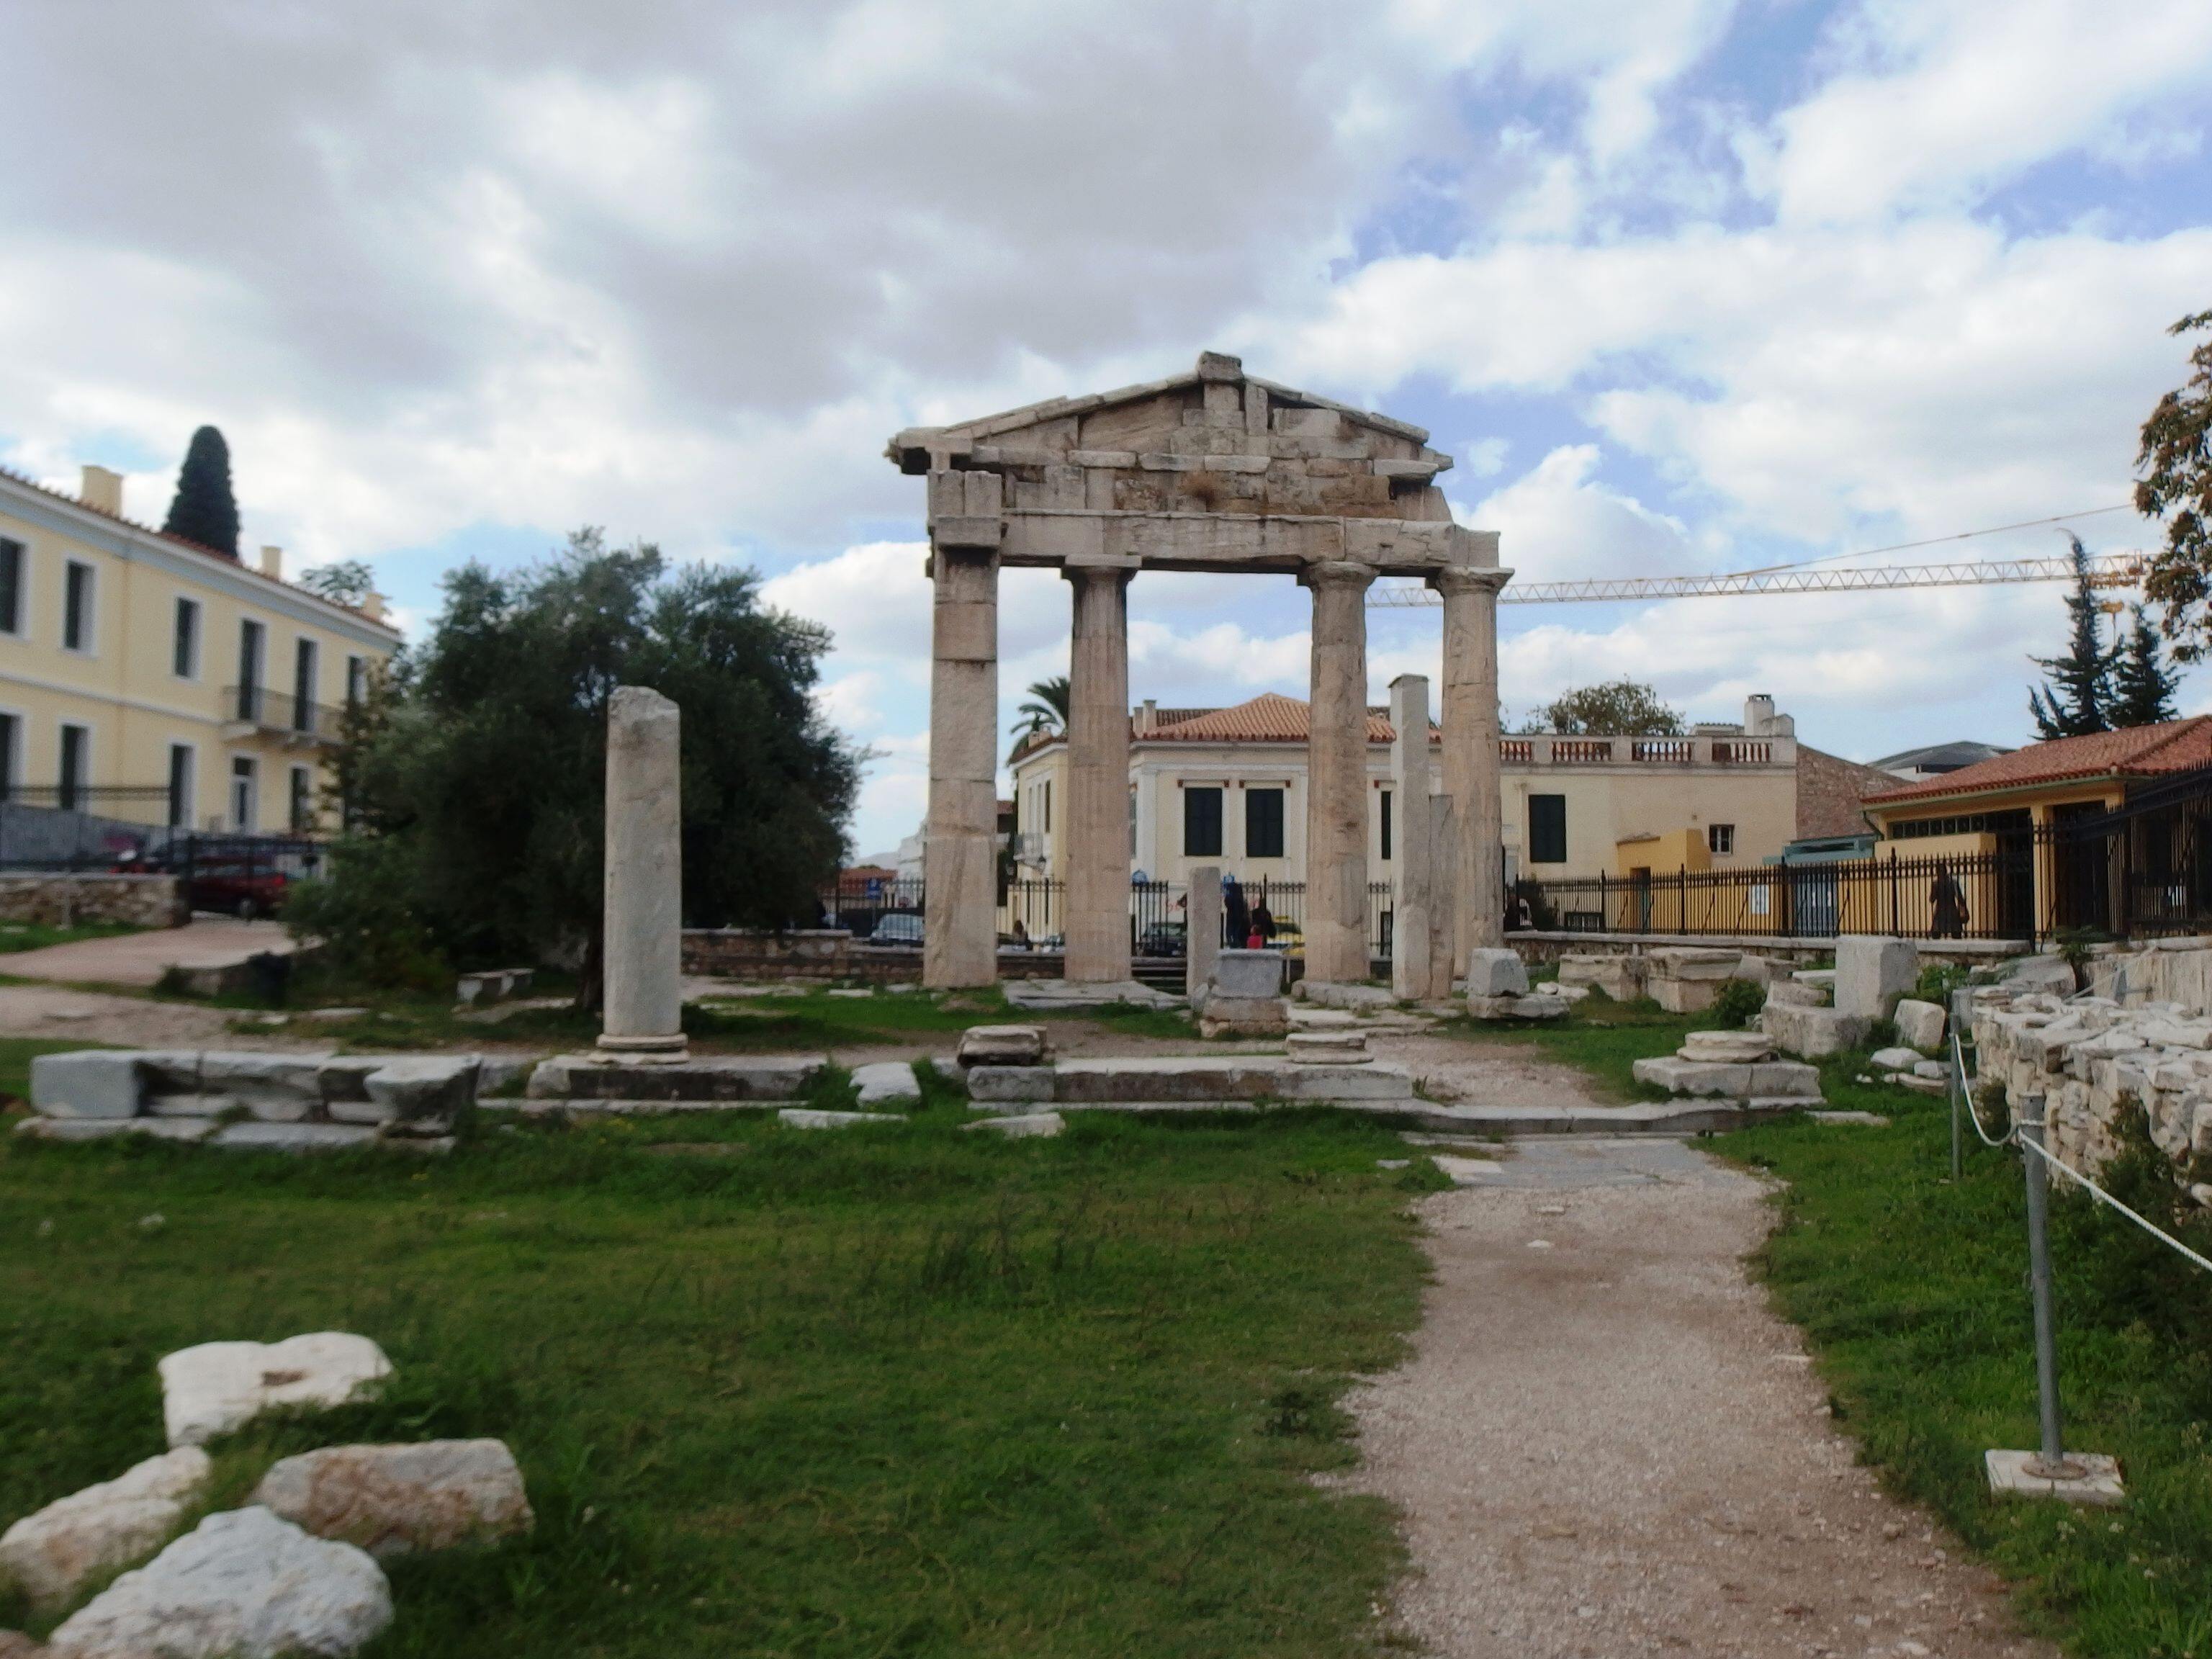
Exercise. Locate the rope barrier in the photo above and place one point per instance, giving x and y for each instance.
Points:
(2104, 1197)
(1967, 1088)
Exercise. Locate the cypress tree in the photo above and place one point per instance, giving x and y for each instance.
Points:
(2142, 685)
(204, 511)
(2078, 699)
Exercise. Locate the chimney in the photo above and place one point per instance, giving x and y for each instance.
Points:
(101, 490)
(1757, 715)
(372, 606)
(272, 563)
(1148, 721)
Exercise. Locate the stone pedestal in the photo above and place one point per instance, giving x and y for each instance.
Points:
(1412, 874)
(1476, 869)
(644, 925)
(960, 837)
(1336, 774)
(1098, 778)
(1201, 931)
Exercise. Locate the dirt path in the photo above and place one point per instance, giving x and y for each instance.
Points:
(139, 959)
(1607, 1444)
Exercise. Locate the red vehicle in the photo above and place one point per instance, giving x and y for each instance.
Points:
(234, 880)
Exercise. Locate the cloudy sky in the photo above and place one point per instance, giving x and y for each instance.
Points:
(1685, 285)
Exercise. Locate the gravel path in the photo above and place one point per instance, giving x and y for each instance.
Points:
(1607, 1444)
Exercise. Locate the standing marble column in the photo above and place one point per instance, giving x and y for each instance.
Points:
(1098, 777)
(1413, 873)
(1336, 774)
(960, 837)
(1201, 936)
(1476, 866)
(642, 961)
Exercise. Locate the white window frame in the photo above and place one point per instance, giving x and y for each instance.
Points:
(1714, 834)
(200, 637)
(24, 597)
(252, 779)
(91, 646)
(187, 808)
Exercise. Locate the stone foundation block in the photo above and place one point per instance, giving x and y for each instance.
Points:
(887, 1083)
(1010, 1083)
(1694, 961)
(1496, 973)
(1621, 978)
(733, 1077)
(1895, 1059)
(1793, 994)
(1920, 1024)
(1003, 1045)
(1247, 976)
(1687, 996)
(1226, 1015)
(1353, 998)
(1872, 972)
(1517, 1007)
(91, 1083)
(1812, 1032)
(1695, 1077)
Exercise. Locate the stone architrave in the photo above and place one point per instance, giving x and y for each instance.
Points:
(960, 837)
(1414, 875)
(1098, 777)
(1201, 930)
(644, 928)
(1477, 869)
(1336, 775)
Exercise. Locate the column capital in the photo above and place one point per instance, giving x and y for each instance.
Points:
(1464, 578)
(1119, 570)
(1337, 573)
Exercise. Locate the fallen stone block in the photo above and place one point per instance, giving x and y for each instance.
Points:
(1010, 1083)
(1686, 996)
(734, 1078)
(1621, 978)
(1872, 972)
(1304, 1019)
(886, 1082)
(1236, 1017)
(115, 1129)
(2041, 973)
(1329, 1048)
(1810, 1033)
(1739, 1048)
(243, 1585)
(274, 1088)
(292, 1137)
(1920, 1085)
(1354, 999)
(217, 1387)
(1003, 1045)
(91, 1083)
(1822, 979)
(1552, 988)
(52, 1553)
(799, 1117)
(1895, 1059)
(1694, 961)
(1784, 1079)
(1496, 973)
(1521, 1007)
(1023, 1125)
(1940, 1069)
(1796, 994)
(1691, 1077)
(1248, 975)
(1919, 1024)
(1231, 1078)
(422, 1094)
(394, 1500)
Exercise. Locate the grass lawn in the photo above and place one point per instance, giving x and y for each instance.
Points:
(1911, 1292)
(37, 935)
(906, 1391)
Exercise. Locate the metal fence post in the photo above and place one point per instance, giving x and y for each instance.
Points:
(1960, 999)
(2051, 1462)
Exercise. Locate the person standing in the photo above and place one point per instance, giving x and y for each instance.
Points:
(1235, 913)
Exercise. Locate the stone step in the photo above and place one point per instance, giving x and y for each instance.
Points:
(721, 1079)
(1763, 1079)
(1209, 1078)
(1329, 1048)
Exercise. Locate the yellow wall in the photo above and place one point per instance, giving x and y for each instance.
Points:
(123, 688)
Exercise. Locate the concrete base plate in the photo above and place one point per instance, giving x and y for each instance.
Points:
(2098, 1485)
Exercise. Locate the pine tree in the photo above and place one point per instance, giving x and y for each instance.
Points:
(2142, 685)
(204, 511)
(2078, 699)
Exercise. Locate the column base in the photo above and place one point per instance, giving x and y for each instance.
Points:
(643, 1050)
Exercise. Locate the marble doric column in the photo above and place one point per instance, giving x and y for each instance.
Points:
(960, 837)
(1098, 777)
(1475, 867)
(1413, 869)
(1201, 932)
(1336, 774)
(642, 961)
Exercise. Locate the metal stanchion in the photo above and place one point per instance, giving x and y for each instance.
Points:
(2050, 1463)
(1961, 1000)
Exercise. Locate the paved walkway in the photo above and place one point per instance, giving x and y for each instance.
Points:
(1607, 1444)
(138, 959)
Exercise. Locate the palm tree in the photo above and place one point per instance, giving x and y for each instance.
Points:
(1047, 709)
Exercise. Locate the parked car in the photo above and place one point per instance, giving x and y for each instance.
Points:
(901, 928)
(247, 888)
(1162, 938)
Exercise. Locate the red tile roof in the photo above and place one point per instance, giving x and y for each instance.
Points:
(1270, 717)
(2138, 751)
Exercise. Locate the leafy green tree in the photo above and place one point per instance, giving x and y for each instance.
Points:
(203, 510)
(2175, 482)
(2077, 698)
(1618, 709)
(1047, 708)
(348, 582)
(2142, 685)
(476, 774)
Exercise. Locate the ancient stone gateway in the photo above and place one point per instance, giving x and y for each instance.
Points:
(1211, 470)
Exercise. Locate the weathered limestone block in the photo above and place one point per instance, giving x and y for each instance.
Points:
(217, 1387)
(1328, 1048)
(1810, 1033)
(1873, 972)
(1010, 1083)
(1023, 1126)
(294, 1137)
(1690, 1077)
(1003, 1045)
(1496, 973)
(1784, 1079)
(1552, 988)
(1895, 1059)
(1728, 1047)
(243, 1585)
(801, 1117)
(115, 1129)
(1240, 1077)
(409, 1095)
(1694, 961)
(392, 1500)
(1517, 1007)
(1353, 998)
(93, 1083)
(1920, 1024)
(887, 1083)
(1248, 975)
(274, 1088)
(1236, 1017)
(1621, 978)
(55, 1552)
(701, 1078)
(1686, 996)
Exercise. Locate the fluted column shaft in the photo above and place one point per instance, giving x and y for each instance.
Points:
(1336, 774)
(960, 838)
(1098, 777)
(1470, 745)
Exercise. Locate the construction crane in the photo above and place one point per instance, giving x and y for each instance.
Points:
(2106, 571)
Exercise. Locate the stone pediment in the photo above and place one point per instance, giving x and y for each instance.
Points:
(1213, 441)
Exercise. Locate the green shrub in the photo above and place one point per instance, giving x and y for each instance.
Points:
(1740, 1002)
(364, 916)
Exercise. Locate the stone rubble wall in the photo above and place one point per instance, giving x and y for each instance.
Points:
(2176, 970)
(55, 900)
(2086, 1054)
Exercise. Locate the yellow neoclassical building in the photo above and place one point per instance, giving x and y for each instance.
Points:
(146, 678)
